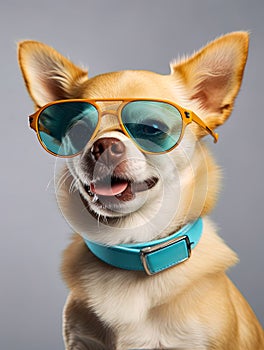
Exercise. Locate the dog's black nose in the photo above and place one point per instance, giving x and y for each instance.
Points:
(108, 149)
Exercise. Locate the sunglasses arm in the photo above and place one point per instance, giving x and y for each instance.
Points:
(33, 121)
(199, 121)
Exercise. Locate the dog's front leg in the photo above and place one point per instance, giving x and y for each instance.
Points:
(83, 330)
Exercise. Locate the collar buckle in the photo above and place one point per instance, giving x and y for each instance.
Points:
(165, 255)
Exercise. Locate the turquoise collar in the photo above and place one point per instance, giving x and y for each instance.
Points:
(154, 256)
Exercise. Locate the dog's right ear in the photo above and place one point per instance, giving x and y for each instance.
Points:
(48, 75)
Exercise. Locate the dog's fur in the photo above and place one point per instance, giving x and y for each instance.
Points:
(193, 305)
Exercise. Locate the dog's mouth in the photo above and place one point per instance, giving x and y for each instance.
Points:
(113, 187)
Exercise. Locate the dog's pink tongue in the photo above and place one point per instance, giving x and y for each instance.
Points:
(108, 190)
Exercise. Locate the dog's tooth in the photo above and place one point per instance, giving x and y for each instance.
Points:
(90, 192)
(95, 198)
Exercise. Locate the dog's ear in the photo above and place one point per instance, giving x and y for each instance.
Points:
(48, 75)
(212, 76)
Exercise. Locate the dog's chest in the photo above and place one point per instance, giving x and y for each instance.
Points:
(153, 333)
(137, 323)
(147, 312)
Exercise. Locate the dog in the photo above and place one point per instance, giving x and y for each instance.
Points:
(146, 268)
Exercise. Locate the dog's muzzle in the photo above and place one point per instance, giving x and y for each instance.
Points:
(107, 165)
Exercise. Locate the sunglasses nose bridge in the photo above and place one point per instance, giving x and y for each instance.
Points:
(109, 119)
(109, 112)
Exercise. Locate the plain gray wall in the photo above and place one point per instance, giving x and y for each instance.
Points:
(107, 36)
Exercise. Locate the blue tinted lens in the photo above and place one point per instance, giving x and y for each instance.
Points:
(154, 126)
(66, 127)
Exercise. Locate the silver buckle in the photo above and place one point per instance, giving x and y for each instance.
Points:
(148, 250)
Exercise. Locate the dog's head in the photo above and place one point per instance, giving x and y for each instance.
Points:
(114, 190)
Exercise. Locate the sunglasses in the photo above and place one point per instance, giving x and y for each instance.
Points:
(156, 126)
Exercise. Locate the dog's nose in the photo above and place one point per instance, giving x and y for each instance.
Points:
(108, 149)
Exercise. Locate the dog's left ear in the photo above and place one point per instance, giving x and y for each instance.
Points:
(212, 77)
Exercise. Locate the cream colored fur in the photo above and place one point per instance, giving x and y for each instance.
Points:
(193, 305)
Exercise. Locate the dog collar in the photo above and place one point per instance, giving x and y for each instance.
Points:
(154, 256)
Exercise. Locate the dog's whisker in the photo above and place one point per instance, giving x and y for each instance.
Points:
(62, 180)
(73, 186)
(49, 184)
(63, 177)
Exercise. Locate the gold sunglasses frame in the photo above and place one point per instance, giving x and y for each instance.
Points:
(188, 117)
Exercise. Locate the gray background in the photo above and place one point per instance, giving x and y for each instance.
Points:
(107, 36)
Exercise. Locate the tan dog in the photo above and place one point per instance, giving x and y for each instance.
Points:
(192, 305)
